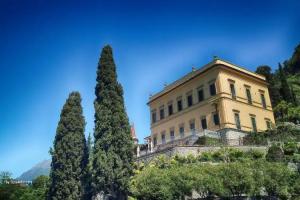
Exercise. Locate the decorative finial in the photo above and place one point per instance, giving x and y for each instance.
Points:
(216, 57)
(193, 68)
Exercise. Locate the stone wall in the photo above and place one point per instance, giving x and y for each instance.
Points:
(191, 150)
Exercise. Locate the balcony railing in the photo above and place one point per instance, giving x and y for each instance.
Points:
(189, 138)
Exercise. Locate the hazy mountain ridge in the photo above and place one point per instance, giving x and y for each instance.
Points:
(42, 168)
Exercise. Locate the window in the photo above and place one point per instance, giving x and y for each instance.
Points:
(263, 100)
(216, 119)
(170, 109)
(179, 105)
(269, 125)
(237, 121)
(153, 116)
(190, 100)
(192, 126)
(200, 95)
(248, 93)
(163, 138)
(172, 134)
(253, 122)
(232, 89)
(181, 131)
(204, 123)
(154, 141)
(212, 89)
(162, 113)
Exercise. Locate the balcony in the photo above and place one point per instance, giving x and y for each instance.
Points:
(188, 139)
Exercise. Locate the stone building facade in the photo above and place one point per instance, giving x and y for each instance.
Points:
(220, 99)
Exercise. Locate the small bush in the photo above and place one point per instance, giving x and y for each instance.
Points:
(275, 153)
(290, 148)
(207, 141)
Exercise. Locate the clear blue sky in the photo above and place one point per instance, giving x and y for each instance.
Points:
(50, 48)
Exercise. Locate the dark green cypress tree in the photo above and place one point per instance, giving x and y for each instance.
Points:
(113, 146)
(89, 144)
(69, 155)
(285, 90)
(88, 175)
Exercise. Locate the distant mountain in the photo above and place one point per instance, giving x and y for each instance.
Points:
(42, 168)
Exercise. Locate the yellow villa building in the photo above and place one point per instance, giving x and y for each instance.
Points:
(220, 99)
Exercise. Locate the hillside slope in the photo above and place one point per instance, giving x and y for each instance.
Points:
(42, 168)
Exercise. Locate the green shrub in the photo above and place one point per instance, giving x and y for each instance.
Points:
(285, 132)
(275, 153)
(205, 157)
(278, 180)
(254, 154)
(255, 138)
(290, 148)
(162, 184)
(208, 141)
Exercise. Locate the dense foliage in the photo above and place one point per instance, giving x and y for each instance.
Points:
(13, 191)
(284, 87)
(69, 155)
(285, 132)
(230, 173)
(113, 146)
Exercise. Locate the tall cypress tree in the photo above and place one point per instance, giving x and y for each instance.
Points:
(69, 156)
(88, 176)
(285, 90)
(113, 146)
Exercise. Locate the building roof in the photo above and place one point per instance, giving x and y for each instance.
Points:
(132, 132)
(194, 73)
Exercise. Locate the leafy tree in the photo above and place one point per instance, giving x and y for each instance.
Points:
(206, 181)
(277, 180)
(293, 65)
(293, 81)
(113, 146)
(182, 181)
(5, 177)
(237, 179)
(41, 182)
(266, 71)
(281, 110)
(154, 183)
(285, 90)
(287, 112)
(69, 156)
(40, 187)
